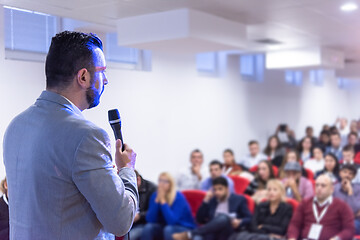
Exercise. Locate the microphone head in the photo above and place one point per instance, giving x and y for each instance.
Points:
(114, 116)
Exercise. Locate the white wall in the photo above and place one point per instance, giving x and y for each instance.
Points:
(170, 111)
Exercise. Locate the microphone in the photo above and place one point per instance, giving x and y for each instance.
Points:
(115, 123)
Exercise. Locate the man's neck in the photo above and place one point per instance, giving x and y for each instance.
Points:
(73, 97)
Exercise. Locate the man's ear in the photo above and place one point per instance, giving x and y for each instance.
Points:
(83, 78)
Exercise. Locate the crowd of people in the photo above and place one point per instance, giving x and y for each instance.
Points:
(320, 174)
(306, 189)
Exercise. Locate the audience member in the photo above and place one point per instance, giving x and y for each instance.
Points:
(305, 148)
(297, 187)
(146, 190)
(257, 187)
(271, 218)
(191, 177)
(254, 157)
(168, 212)
(309, 132)
(221, 214)
(4, 212)
(322, 217)
(324, 140)
(215, 168)
(335, 147)
(317, 163)
(332, 168)
(290, 156)
(349, 192)
(348, 155)
(274, 149)
(353, 139)
(286, 136)
(230, 166)
(343, 129)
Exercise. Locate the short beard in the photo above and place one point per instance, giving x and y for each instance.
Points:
(92, 95)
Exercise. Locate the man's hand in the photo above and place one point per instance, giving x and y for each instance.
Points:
(235, 223)
(137, 217)
(124, 158)
(291, 183)
(346, 186)
(208, 196)
(196, 170)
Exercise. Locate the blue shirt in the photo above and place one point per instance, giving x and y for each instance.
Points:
(178, 213)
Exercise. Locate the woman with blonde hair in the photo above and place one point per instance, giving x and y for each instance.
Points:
(168, 211)
(271, 217)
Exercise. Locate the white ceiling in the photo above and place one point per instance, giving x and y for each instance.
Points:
(295, 23)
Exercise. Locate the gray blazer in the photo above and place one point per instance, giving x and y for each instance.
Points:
(61, 181)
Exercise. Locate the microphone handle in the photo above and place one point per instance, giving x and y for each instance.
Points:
(117, 132)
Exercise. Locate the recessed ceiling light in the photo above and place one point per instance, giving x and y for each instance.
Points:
(348, 7)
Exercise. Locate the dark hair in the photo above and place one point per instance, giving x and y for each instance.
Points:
(300, 147)
(350, 167)
(308, 128)
(267, 150)
(253, 142)
(325, 132)
(216, 162)
(220, 181)
(334, 131)
(337, 165)
(195, 151)
(261, 182)
(348, 148)
(228, 150)
(353, 133)
(68, 53)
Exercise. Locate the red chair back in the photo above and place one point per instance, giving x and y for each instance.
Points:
(250, 203)
(310, 174)
(293, 203)
(194, 198)
(275, 170)
(240, 183)
(357, 158)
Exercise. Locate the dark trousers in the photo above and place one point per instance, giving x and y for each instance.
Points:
(218, 228)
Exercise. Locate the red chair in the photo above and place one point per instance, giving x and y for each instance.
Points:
(194, 198)
(357, 158)
(275, 170)
(293, 203)
(240, 183)
(119, 238)
(250, 203)
(357, 237)
(310, 174)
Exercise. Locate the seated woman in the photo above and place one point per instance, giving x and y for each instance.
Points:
(257, 188)
(271, 218)
(305, 149)
(168, 212)
(291, 156)
(332, 167)
(274, 149)
(317, 163)
(231, 168)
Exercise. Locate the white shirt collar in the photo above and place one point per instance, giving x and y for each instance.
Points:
(327, 201)
(5, 199)
(71, 103)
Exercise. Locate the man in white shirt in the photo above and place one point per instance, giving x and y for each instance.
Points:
(254, 157)
(191, 177)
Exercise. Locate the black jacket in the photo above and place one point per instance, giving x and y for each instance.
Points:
(237, 204)
(146, 189)
(276, 223)
(4, 220)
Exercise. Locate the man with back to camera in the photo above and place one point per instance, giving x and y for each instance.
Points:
(62, 183)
